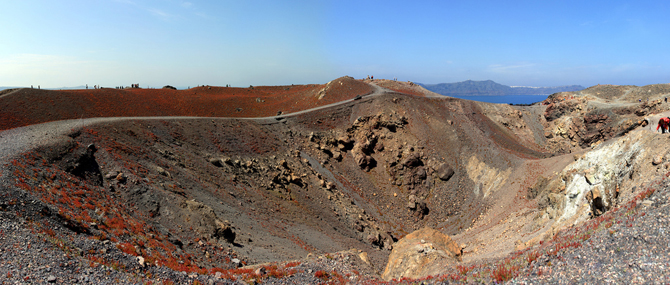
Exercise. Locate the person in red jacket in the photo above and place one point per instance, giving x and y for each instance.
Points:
(663, 123)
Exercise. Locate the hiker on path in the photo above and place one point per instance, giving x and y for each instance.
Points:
(663, 123)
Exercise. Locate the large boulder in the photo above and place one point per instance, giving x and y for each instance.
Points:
(412, 160)
(422, 253)
(444, 171)
(204, 221)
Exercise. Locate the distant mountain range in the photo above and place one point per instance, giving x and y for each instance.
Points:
(490, 88)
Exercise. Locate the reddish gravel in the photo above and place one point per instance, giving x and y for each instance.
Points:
(33, 106)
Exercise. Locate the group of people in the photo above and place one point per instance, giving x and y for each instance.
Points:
(372, 77)
(98, 86)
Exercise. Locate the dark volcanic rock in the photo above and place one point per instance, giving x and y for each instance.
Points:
(556, 110)
(444, 171)
(413, 160)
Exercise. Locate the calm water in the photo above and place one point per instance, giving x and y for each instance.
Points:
(507, 99)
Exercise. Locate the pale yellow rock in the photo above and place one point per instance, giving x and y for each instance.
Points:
(364, 256)
(422, 253)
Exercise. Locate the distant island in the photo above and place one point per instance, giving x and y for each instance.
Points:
(491, 88)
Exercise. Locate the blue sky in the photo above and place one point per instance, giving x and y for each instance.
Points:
(187, 43)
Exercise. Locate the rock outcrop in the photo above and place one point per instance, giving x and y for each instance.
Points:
(422, 253)
(597, 181)
(204, 221)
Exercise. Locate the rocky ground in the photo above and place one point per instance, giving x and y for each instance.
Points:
(533, 194)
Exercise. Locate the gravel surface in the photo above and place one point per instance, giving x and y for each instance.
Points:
(636, 249)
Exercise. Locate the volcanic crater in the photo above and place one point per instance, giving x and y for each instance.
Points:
(315, 183)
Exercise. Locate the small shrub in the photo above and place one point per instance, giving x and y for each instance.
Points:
(504, 272)
(321, 274)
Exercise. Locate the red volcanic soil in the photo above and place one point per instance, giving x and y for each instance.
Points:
(33, 106)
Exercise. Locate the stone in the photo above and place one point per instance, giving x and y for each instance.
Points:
(337, 155)
(590, 176)
(658, 159)
(643, 123)
(260, 271)
(412, 160)
(411, 202)
(412, 198)
(519, 245)
(364, 161)
(411, 205)
(140, 260)
(373, 239)
(121, 178)
(596, 193)
(51, 279)
(445, 172)
(162, 171)
(227, 161)
(548, 134)
(224, 230)
(111, 175)
(216, 162)
(413, 259)
(206, 222)
(364, 257)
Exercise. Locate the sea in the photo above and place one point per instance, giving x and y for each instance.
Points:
(507, 99)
